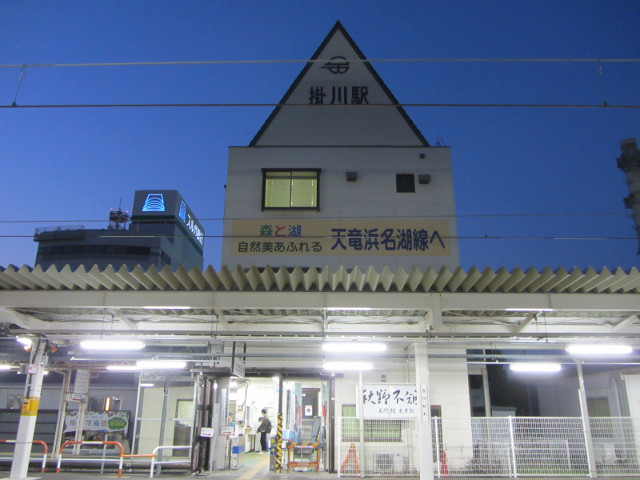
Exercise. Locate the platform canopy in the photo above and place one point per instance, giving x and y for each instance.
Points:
(279, 317)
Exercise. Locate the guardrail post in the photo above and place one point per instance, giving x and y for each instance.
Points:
(435, 425)
(513, 447)
(104, 455)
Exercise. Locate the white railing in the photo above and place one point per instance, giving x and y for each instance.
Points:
(491, 446)
(156, 463)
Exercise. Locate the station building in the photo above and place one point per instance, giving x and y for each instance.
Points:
(339, 233)
(162, 230)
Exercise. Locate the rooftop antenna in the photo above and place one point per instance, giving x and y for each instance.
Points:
(118, 219)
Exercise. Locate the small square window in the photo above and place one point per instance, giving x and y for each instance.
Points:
(405, 183)
(290, 189)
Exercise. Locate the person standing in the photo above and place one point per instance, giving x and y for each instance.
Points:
(264, 429)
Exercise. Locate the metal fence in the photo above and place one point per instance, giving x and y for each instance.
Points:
(492, 446)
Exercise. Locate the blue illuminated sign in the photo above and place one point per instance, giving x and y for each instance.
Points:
(154, 203)
(182, 212)
(166, 204)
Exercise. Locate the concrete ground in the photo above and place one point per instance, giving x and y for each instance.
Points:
(255, 467)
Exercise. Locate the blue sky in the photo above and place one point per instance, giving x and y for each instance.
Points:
(518, 172)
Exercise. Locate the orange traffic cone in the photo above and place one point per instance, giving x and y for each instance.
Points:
(350, 463)
(444, 470)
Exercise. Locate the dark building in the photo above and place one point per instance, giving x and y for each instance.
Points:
(162, 230)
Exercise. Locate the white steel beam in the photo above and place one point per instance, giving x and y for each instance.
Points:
(319, 300)
(626, 322)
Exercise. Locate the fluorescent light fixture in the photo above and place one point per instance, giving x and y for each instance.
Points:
(146, 385)
(599, 349)
(4, 366)
(26, 341)
(167, 307)
(346, 366)
(161, 364)
(354, 347)
(518, 309)
(123, 368)
(348, 309)
(106, 344)
(535, 367)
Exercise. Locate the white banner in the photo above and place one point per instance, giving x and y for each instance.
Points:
(390, 401)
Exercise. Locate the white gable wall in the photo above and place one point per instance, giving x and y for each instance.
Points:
(337, 121)
(372, 197)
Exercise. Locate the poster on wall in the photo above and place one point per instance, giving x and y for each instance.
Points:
(390, 401)
(99, 426)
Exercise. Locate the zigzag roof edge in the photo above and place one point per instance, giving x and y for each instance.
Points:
(383, 280)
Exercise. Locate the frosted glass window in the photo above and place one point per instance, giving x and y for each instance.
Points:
(290, 189)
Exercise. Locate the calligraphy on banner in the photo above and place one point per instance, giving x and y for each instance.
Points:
(341, 237)
(390, 401)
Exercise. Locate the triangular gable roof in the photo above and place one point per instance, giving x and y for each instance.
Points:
(317, 110)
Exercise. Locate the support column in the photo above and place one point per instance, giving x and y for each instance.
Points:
(62, 411)
(279, 454)
(586, 424)
(362, 456)
(487, 393)
(29, 414)
(425, 440)
(163, 420)
(219, 459)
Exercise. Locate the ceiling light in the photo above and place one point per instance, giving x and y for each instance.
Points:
(599, 349)
(106, 344)
(4, 366)
(346, 366)
(535, 367)
(146, 385)
(354, 347)
(26, 341)
(158, 364)
(348, 309)
(167, 307)
(123, 368)
(529, 309)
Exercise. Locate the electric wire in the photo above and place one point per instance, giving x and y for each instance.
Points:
(363, 237)
(297, 105)
(358, 60)
(363, 217)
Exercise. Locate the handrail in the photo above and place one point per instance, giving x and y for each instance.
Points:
(39, 442)
(166, 462)
(102, 460)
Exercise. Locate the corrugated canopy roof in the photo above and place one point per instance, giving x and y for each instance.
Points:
(286, 313)
(312, 279)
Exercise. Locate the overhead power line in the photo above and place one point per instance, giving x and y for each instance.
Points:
(362, 237)
(240, 105)
(368, 60)
(359, 217)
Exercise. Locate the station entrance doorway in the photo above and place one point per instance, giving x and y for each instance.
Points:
(219, 416)
(299, 408)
